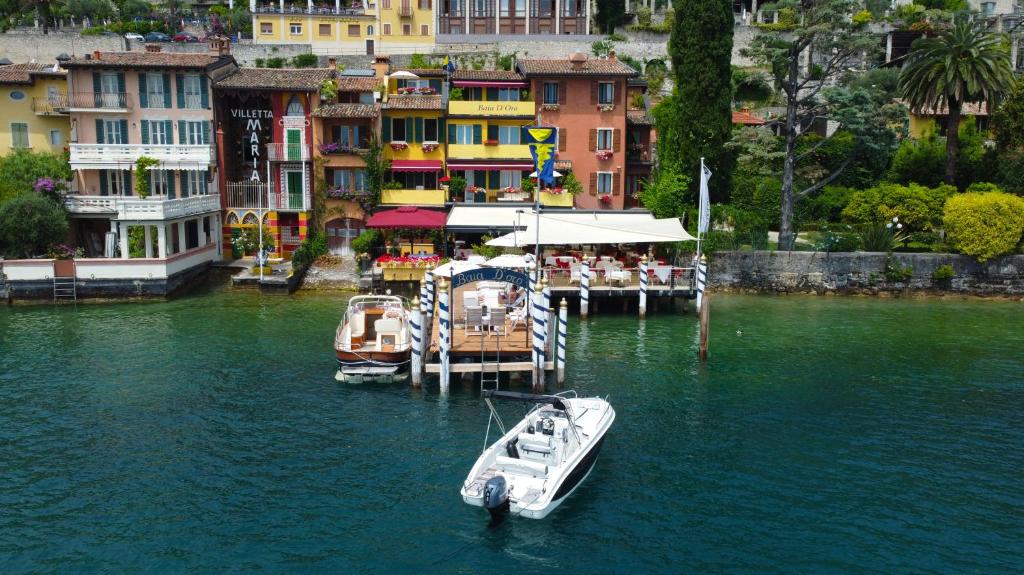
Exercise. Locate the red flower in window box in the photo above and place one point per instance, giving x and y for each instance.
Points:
(605, 199)
(490, 142)
(604, 155)
(445, 180)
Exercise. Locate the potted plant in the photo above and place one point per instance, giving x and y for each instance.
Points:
(398, 145)
(605, 199)
(429, 146)
(490, 142)
(456, 187)
(142, 168)
(329, 148)
(604, 155)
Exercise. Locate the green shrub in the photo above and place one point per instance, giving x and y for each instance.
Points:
(506, 61)
(877, 237)
(309, 250)
(894, 272)
(984, 225)
(305, 61)
(616, 37)
(275, 62)
(482, 249)
(23, 168)
(917, 207)
(1010, 173)
(919, 161)
(761, 195)
(365, 241)
(943, 272)
(837, 238)
(827, 206)
(29, 225)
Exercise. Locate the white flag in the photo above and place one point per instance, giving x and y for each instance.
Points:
(704, 216)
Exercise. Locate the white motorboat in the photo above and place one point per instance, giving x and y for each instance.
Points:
(373, 341)
(539, 462)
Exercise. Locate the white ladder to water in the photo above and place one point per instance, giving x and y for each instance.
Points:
(65, 288)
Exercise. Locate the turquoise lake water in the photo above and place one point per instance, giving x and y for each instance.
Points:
(207, 435)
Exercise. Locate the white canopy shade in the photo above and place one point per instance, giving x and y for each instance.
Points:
(554, 173)
(514, 261)
(454, 267)
(555, 229)
(484, 218)
(404, 74)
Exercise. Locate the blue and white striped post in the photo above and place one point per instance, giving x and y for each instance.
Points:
(431, 293)
(702, 279)
(423, 295)
(549, 319)
(537, 313)
(584, 290)
(644, 278)
(444, 337)
(563, 328)
(416, 323)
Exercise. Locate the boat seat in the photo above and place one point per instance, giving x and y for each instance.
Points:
(358, 326)
(387, 326)
(520, 466)
(534, 443)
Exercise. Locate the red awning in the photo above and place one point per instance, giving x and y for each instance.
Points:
(491, 166)
(415, 165)
(407, 217)
(489, 84)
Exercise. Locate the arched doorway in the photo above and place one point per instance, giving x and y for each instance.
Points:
(340, 232)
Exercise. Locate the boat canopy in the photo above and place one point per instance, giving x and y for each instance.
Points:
(554, 400)
(558, 229)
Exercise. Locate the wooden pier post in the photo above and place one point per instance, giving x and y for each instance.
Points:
(563, 328)
(416, 323)
(537, 317)
(702, 279)
(444, 335)
(643, 286)
(584, 290)
(705, 321)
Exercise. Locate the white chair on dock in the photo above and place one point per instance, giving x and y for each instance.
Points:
(474, 321)
(574, 274)
(496, 321)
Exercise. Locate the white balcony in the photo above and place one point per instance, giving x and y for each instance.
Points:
(289, 202)
(124, 156)
(289, 152)
(153, 208)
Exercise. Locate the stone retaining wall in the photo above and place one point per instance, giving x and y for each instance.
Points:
(24, 45)
(862, 273)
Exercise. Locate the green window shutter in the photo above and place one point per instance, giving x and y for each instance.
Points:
(409, 135)
(103, 182)
(186, 187)
(182, 132)
(97, 88)
(387, 130)
(495, 177)
(436, 85)
(143, 94)
(145, 131)
(203, 87)
(356, 142)
(419, 130)
(129, 187)
(440, 129)
(120, 83)
(99, 131)
(206, 133)
(170, 183)
(169, 130)
(451, 133)
(492, 94)
(477, 134)
(167, 90)
(492, 132)
(179, 82)
(124, 131)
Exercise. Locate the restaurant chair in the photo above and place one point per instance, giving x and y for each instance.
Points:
(496, 321)
(474, 321)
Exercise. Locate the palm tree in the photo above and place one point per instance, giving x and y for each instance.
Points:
(964, 64)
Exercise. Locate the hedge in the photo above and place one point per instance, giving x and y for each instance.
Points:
(984, 225)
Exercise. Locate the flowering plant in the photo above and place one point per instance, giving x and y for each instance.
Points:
(556, 191)
(604, 154)
(426, 90)
(512, 190)
(399, 146)
(335, 148)
(407, 90)
(445, 179)
(429, 146)
(388, 261)
(490, 142)
(606, 108)
(605, 199)
(65, 252)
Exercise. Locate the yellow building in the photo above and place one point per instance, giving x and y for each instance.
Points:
(934, 121)
(34, 108)
(412, 131)
(389, 26)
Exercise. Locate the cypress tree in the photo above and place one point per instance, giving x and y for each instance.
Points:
(701, 51)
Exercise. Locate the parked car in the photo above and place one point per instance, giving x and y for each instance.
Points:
(135, 36)
(157, 37)
(185, 37)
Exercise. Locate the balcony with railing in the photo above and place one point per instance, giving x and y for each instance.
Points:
(152, 208)
(489, 151)
(250, 195)
(106, 102)
(295, 202)
(280, 152)
(55, 105)
(170, 156)
(405, 8)
(314, 11)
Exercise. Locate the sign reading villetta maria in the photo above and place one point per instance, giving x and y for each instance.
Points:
(251, 121)
(518, 279)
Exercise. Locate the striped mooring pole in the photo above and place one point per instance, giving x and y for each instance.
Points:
(431, 293)
(423, 295)
(584, 290)
(537, 312)
(563, 328)
(643, 286)
(549, 323)
(702, 279)
(444, 337)
(416, 323)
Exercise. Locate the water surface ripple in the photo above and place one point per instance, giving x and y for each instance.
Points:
(206, 434)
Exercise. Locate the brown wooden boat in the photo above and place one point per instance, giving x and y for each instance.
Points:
(373, 341)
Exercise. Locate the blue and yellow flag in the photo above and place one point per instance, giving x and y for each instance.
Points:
(542, 142)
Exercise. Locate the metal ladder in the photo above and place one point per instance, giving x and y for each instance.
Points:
(65, 288)
(484, 378)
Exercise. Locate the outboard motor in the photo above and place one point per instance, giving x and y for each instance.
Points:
(496, 496)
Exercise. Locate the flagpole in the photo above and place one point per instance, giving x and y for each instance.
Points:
(259, 251)
(699, 204)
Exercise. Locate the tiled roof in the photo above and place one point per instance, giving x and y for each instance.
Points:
(348, 111)
(358, 83)
(746, 119)
(22, 73)
(416, 102)
(563, 67)
(638, 118)
(146, 60)
(500, 75)
(304, 79)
